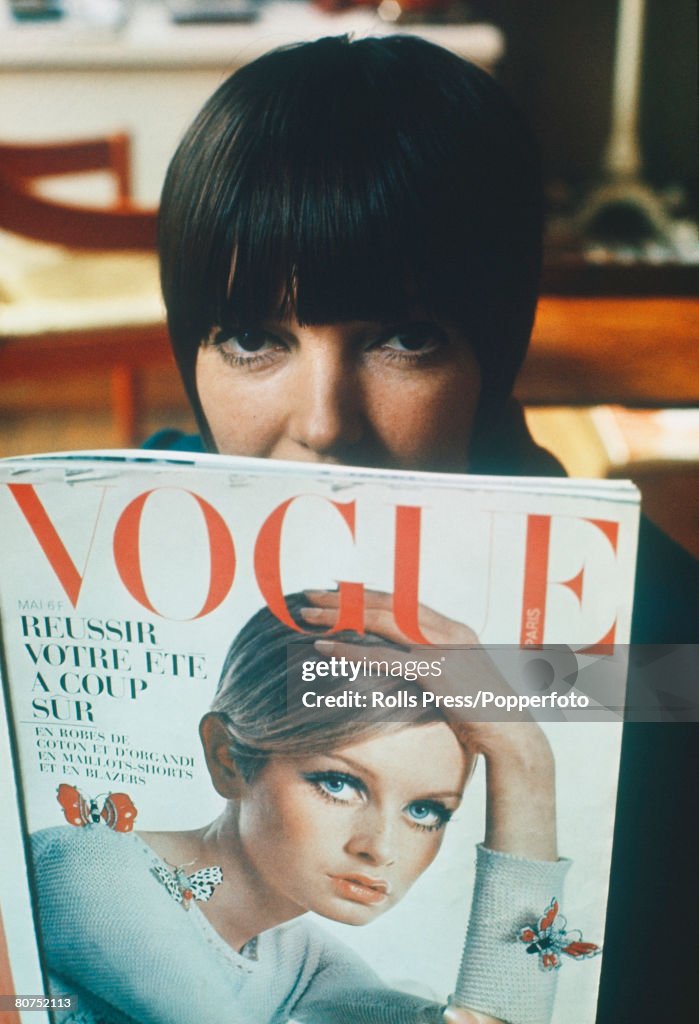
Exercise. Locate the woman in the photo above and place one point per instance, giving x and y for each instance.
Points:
(334, 814)
(350, 242)
(344, 281)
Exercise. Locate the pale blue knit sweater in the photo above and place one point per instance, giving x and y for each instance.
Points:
(133, 955)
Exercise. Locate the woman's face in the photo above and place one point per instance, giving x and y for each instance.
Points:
(346, 834)
(391, 396)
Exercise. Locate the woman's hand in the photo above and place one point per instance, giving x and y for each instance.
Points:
(520, 814)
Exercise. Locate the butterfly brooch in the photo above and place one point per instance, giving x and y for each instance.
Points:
(549, 939)
(117, 811)
(185, 888)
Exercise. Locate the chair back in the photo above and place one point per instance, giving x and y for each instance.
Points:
(42, 159)
(122, 225)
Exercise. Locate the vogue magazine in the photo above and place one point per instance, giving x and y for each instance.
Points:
(282, 735)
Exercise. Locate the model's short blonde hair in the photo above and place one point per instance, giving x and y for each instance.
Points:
(257, 699)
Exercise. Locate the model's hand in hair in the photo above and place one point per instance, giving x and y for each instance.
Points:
(520, 811)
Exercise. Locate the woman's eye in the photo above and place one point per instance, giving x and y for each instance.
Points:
(246, 341)
(428, 814)
(247, 345)
(416, 340)
(337, 785)
(249, 341)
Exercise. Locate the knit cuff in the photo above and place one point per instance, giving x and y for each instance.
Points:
(496, 975)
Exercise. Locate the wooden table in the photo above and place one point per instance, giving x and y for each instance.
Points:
(630, 351)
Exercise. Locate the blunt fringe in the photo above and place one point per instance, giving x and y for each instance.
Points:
(355, 180)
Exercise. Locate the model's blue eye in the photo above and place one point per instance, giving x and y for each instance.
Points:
(333, 786)
(428, 814)
(337, 785)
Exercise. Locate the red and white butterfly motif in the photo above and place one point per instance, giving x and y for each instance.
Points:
(117, 811)
(184, 888)
(549, 939)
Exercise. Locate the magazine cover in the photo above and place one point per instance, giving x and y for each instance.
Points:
(241, 742)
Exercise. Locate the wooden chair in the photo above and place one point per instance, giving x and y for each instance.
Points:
(78, 284)
(25, 161)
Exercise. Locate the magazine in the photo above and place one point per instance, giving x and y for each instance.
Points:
(128, 575)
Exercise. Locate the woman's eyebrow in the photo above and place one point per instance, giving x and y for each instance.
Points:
(360, 769)
(445, 795)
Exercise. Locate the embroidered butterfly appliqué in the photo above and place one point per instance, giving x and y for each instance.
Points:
(117, 810)
(549, 939)
(185, 888)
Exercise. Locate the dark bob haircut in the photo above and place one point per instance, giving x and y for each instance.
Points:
(355, 180)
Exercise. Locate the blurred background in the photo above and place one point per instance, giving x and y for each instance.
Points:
(94, 95)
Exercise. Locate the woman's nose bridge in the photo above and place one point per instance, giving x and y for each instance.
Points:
(328, 399)
(373, 836)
